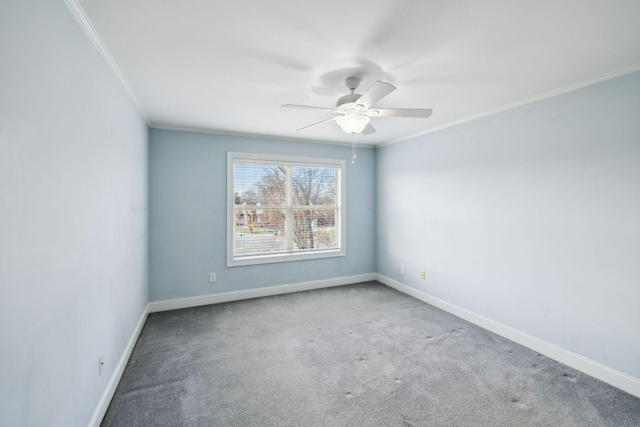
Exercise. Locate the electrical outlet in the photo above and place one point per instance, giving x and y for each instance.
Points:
(100, 364)
(403, 269)
(212, 278)
(422, 275)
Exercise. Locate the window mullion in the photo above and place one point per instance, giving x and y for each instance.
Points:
(288, 214)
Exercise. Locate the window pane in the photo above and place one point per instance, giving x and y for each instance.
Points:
(257, 234)
(314, 229)
(313, 186)
(259, 185)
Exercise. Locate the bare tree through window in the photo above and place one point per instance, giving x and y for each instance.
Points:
(312, 188)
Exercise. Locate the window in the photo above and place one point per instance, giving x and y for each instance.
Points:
(283, 208)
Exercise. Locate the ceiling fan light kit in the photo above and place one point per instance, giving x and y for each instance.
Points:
(353, 123)
(354, 111)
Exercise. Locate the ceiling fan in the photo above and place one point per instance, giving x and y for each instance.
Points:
(354, 111)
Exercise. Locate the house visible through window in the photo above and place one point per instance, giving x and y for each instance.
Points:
(283, 208)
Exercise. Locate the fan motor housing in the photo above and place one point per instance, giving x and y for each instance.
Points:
(347, 102)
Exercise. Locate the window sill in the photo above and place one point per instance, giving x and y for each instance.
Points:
(276, 258)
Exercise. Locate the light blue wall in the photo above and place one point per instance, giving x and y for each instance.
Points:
(530, 217)
(73, 217)
(188, 184)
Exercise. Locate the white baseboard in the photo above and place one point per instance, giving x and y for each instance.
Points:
(257, 292)
(597, 370)
(105, 400)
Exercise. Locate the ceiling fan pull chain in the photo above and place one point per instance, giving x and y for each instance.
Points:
(354, 149)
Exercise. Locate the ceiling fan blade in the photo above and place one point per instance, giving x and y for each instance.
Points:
(307, 107)
(375, 93)
(368, 129)
(319, 123)
(419, 113)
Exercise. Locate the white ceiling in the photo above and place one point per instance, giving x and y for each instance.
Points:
(227, 66)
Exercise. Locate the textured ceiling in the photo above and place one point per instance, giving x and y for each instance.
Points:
(228, 66)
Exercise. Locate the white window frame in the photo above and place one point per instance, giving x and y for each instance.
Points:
(233, 157)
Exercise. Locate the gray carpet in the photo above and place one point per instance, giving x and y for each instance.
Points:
(358, 355)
